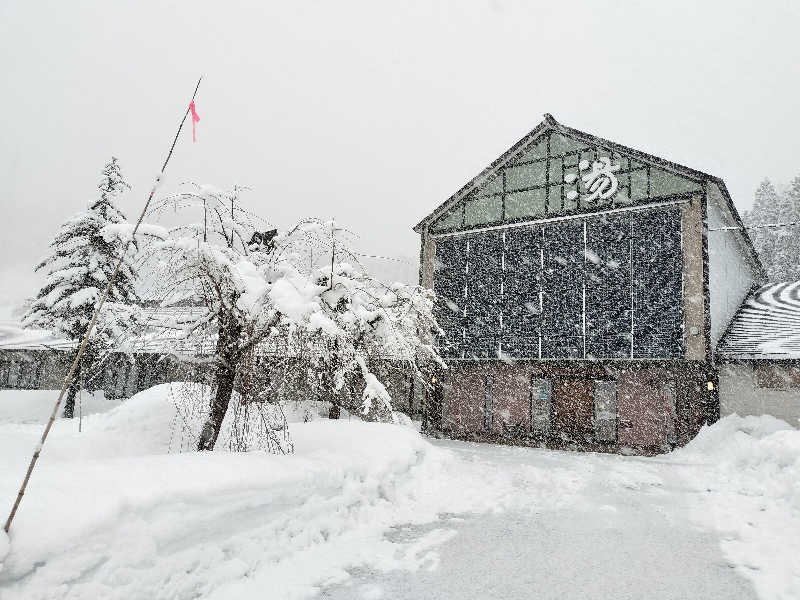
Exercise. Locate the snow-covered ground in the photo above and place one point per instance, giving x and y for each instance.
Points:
(36, 406)
(365, 510)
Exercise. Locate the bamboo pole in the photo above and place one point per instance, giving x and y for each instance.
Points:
(93, 322)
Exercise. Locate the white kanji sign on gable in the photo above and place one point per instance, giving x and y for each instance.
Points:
(600, 182)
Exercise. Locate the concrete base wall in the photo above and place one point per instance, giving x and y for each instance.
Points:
(658, 404)
(740, 393)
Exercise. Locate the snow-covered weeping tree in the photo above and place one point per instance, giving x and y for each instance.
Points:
(292, 290)
(80, 263)
(211, 264)
(347, 329)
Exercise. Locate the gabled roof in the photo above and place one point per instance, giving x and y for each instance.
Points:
(767, 325)
(550, 123)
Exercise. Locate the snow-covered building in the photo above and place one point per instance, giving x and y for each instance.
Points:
(584, 288)
(759, 355)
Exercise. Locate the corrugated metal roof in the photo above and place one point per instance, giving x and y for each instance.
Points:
(767, 325)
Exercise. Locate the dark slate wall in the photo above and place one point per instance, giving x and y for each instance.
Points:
(522, 304)
(562, 290)
(449, 281)
(608, 287)
(534, 291)
(657, 284)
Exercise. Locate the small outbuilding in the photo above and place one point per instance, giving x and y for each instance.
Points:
(759, 356)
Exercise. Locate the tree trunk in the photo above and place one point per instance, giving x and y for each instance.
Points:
(69, 403)
(228, 356)
(335, 412)
(224, 378)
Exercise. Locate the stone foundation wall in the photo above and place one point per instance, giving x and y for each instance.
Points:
(659, 404)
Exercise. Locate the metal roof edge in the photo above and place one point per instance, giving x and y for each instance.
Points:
(548, 122)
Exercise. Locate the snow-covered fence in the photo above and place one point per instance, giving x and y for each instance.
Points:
(31, 369)
(269, 373)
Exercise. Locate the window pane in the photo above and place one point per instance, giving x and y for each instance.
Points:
(495, 186)
(479, 211)
(526, 176)
(622, 196)
(554, 199)
(561, 145)
(525, 204)
(639, 185)
(571, 161)
(534, 152)
(556, 175)
(571, 200)
(622, 161)
(667, 184)
(451, 220)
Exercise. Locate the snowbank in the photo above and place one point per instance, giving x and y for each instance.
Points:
(112, 513)
(751, 477)
(35, 406)
(116, 512)
(113, 499)
(734, 437)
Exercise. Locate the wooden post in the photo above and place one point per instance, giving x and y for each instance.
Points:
(92, 323)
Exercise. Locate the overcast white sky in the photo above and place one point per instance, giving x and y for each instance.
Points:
(373, 112)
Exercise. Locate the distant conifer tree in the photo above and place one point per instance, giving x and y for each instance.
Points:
(778, 247)
(78, 267)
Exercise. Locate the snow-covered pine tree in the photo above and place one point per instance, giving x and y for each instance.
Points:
(765, 211)
(789, 236)
(778, 247)
(78, 267)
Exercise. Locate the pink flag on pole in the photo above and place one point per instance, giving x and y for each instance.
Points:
(195, 119)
